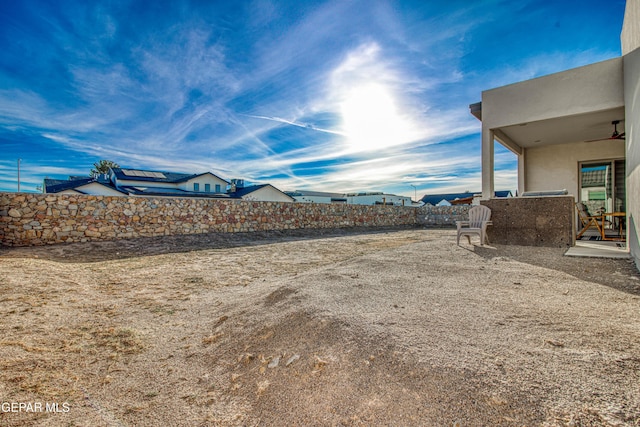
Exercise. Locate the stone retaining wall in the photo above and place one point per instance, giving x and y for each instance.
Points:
(532, 221)
(37, 219)
(442, 216)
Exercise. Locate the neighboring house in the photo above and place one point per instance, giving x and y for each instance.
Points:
(155, 183)
(449, 199)
(564, 126)
(145, 183)
(260, 193)
(81, 185)
(372, 198)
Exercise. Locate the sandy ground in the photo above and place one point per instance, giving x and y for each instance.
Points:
(399, 327)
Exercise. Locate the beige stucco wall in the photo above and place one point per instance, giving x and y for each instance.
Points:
(96, 189)
(630, 37)
(632, 127)
(202, 180)
(594, 87)
(555, 167)
(268, 194)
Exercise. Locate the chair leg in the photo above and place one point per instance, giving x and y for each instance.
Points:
(469, 238)
(485, 239)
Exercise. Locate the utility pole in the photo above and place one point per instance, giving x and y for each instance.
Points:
(19, 175)
(415, 192)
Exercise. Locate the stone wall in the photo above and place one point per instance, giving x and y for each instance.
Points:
(37, 219)
(532, 221)
(442, 216)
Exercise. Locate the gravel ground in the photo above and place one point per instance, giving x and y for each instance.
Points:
(396, 327)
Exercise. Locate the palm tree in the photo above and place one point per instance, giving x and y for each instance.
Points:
(102, 167)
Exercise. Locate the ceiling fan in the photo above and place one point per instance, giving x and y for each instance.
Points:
(614, 135)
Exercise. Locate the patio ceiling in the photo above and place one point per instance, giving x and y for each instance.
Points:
(568, 129)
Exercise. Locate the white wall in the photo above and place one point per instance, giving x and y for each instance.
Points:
(630, 37)
(555, 167)
(313, 199)
(96, 189)
(371, 199)
(268, 194)
(632, 129)
(585, 89)
(202, 180)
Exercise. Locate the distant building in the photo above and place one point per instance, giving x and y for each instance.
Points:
(304, 196)
(146, 183)
(377, 199)
(450, 199)
(370, 198)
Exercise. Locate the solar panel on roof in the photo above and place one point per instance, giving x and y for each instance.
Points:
(143, 174)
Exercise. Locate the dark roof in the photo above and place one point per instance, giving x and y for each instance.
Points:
(157, 176)
(122, 173)
(504, 193)
(240, 192)
(434, 199)
(169, 192)
(59, 185)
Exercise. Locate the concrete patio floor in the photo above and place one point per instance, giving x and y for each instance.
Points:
(598, 249)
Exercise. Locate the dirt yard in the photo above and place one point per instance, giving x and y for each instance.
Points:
(400, 327)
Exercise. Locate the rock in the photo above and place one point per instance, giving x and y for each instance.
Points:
(14, 213)
(292, 359)
(274, 362)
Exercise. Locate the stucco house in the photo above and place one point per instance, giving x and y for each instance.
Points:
(571, 128)
(155, 183)
(147, 183)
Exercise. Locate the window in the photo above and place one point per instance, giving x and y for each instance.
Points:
(196, 186)
(217, 188)
(602, 186)
(207, 188)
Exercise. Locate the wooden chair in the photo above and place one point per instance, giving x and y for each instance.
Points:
(479, 217)
(587, 220)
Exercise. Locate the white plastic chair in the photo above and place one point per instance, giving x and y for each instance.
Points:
(479, 217)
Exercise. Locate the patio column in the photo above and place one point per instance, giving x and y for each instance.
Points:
(522, 157)
(488, 189)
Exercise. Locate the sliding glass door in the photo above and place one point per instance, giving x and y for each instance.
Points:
(602, 186)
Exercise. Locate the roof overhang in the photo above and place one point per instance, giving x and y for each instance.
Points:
(572, 106)
(592, 126)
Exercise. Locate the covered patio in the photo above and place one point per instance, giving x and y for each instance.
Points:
(567, 131)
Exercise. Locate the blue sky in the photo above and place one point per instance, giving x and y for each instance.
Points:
(323, 95)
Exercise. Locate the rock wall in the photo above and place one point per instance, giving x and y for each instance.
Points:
(532, 221)
(38, 219)
(442, 216)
